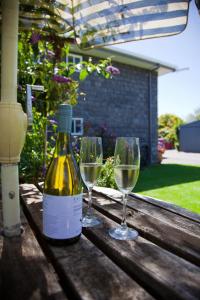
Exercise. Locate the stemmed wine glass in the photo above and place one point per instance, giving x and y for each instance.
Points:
(126, 172)
(91, 159)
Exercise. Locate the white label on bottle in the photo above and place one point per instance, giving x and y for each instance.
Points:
(62, 216)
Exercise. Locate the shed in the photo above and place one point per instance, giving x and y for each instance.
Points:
(190, 137)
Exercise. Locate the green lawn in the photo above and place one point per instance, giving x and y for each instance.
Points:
(178, 184)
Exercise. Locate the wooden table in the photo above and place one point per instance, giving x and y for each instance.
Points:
(163, 263)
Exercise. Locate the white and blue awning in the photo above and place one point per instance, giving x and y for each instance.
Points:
(98, 23)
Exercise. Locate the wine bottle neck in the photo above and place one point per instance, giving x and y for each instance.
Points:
(63, 143)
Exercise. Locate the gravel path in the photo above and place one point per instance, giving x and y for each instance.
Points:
(182, 158)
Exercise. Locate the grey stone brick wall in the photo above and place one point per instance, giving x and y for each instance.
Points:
(125, 104)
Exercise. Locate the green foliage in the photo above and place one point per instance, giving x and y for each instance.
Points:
(42, 61)
(33, 156)
(106, 178)
(168, 126)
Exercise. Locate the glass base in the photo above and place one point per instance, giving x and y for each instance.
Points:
(90, 221)
(121, 233)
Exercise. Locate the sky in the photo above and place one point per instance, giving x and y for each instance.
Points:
(178, 92)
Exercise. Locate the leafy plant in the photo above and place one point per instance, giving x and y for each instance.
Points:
(42, 61)
(31, 167)
(106, 178)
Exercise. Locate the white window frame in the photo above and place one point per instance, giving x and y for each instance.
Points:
(75, 132)
(74, 56)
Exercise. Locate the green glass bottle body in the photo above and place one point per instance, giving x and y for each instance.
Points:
(62, 201)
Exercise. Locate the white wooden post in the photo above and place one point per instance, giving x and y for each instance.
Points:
(13, 126)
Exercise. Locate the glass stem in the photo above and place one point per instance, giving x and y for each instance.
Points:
(123, 223)
(89, 209)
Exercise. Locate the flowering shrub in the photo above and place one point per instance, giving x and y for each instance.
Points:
(42, 61)
(161, 149)
(168, 128)
(112, 70)
(161, 145)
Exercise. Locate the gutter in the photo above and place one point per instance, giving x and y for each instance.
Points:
(128, 58)
(156, 67)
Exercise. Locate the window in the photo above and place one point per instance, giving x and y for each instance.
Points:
(74, 58)
(77, 126)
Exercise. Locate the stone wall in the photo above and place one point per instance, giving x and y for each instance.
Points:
(125, 105)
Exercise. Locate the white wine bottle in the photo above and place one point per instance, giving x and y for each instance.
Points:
(62, 200)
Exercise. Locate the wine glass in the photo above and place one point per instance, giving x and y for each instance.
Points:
(126, 172)
(91, 159)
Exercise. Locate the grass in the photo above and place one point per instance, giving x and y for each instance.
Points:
(178, 184)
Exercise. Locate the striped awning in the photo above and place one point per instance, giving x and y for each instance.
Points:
(97, 23)
(198, 5)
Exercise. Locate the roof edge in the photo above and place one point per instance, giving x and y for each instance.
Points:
(129, 58)
(191, 123)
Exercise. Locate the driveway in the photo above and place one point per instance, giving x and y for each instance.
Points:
(182, 158)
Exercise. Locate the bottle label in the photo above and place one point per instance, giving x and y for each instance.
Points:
(62, 216)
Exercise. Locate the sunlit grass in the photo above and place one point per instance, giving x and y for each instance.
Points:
(178, 184)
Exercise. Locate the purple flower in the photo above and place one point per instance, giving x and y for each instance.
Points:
(50, 54)
(61, 79)
(112, 70)
(53, 122)
(19, 87)
(104, 127)
(44, 169)
(35, 37)
(33, 98)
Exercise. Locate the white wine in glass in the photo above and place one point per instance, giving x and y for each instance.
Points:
(91, 159)
(126, 172)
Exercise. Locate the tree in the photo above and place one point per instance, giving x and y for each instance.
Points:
(168, 128)
(194, 116)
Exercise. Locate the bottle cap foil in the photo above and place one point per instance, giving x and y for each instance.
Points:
(65, 118)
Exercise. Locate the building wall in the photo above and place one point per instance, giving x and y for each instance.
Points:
(122, 105)
(189, 139)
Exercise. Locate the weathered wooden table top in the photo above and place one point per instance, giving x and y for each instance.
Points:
(163, 263)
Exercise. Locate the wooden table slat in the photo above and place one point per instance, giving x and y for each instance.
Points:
(163, 274)
(25, 272)
(169, 206)
(157, 269)
(164, 233)
(87, 270)
(191, 227)
(187, 221)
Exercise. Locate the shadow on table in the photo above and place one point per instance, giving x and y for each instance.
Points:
(22, 274)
